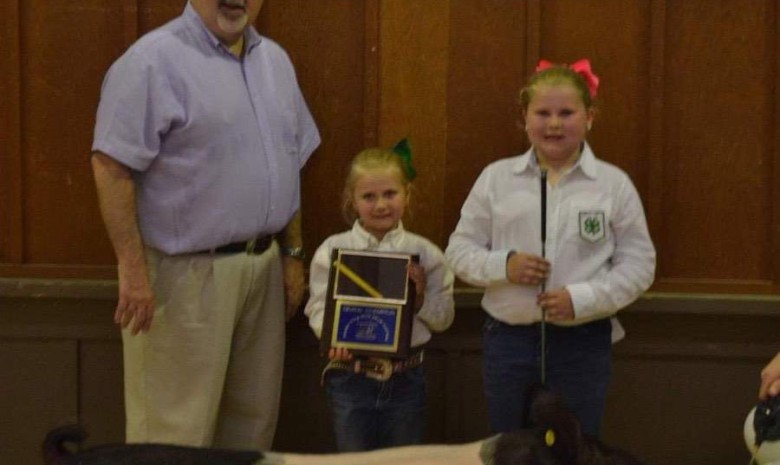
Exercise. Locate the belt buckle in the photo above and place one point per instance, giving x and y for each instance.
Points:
(380, 369)
(250, 245)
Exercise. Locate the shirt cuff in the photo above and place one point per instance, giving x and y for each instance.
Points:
(582, 299)
(315, 323)
(496, 266)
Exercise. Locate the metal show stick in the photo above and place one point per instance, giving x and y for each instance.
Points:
(543, 326)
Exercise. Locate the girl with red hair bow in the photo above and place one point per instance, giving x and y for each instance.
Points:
(559, 241)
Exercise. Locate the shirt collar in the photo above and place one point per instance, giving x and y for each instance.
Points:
(526, 161)
(366, 240)
(586, 162)
(193, 20)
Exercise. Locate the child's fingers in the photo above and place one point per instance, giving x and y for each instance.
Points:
(339, 353)
(416, 270)
(774, 388)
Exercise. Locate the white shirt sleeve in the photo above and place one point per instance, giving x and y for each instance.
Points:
(469, 248)
(318, 287)
(438, 310)
(632, 267)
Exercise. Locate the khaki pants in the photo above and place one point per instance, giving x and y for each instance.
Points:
(209, 371)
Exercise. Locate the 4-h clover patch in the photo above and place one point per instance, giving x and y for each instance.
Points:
(592, 225)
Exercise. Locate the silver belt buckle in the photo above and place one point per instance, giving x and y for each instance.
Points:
(380, 369)
(250, 245)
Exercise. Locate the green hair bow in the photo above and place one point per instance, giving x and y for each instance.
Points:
(403, 150)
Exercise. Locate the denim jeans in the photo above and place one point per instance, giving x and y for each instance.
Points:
(370, 414)
(578, 367)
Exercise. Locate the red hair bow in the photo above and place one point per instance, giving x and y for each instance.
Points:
(581, 67)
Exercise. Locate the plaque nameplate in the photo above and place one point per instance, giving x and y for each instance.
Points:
(369, 308)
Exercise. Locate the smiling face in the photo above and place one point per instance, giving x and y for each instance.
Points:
(227, 19)
(379, 198)
(557, 121)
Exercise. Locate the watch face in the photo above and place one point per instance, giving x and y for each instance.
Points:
(294, 252)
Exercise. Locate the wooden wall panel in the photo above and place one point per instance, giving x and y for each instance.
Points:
(37, 392)
(101, 388)
(483, 81)
(653, 199)
(684, 378)
(333, 71)
(688, 107)
(10, 155)
(673, 417)
(58, 102)
(468, 418)
(155, 13)
(657, 404)
(616, 41)
(303, 398)
(774, 171)
(413, 100)
(718, 152)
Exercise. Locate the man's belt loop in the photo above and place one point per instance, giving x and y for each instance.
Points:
(250, 246)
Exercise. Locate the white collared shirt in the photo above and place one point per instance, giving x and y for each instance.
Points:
(438, 309)
(597, 239)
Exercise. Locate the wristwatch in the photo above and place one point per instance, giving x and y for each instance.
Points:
(294, 252)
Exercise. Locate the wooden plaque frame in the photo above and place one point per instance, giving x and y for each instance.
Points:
(369, 307)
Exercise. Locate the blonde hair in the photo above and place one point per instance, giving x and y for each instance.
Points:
(555, 75)
(370, 160)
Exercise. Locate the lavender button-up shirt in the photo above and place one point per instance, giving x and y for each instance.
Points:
(215, 143)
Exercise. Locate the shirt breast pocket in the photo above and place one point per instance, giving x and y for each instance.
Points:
(588, 221)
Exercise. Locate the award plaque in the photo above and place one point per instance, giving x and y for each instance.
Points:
(369, 308)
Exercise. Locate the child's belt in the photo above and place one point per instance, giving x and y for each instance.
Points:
(380, 369)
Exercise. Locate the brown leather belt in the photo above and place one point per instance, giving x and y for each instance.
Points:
(380, 369)
(256, 246)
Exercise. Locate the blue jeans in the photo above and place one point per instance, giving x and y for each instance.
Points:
(370, 414)
(578, 367)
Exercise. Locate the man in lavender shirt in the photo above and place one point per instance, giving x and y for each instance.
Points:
(200, 137)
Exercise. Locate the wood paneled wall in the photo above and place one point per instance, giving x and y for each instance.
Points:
(687, 107)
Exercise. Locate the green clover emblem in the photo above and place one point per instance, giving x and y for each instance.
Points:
(592, 226)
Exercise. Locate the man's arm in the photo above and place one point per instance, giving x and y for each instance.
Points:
(294, 278)
(116, 196)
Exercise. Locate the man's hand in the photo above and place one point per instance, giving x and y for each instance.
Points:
(136, 300)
